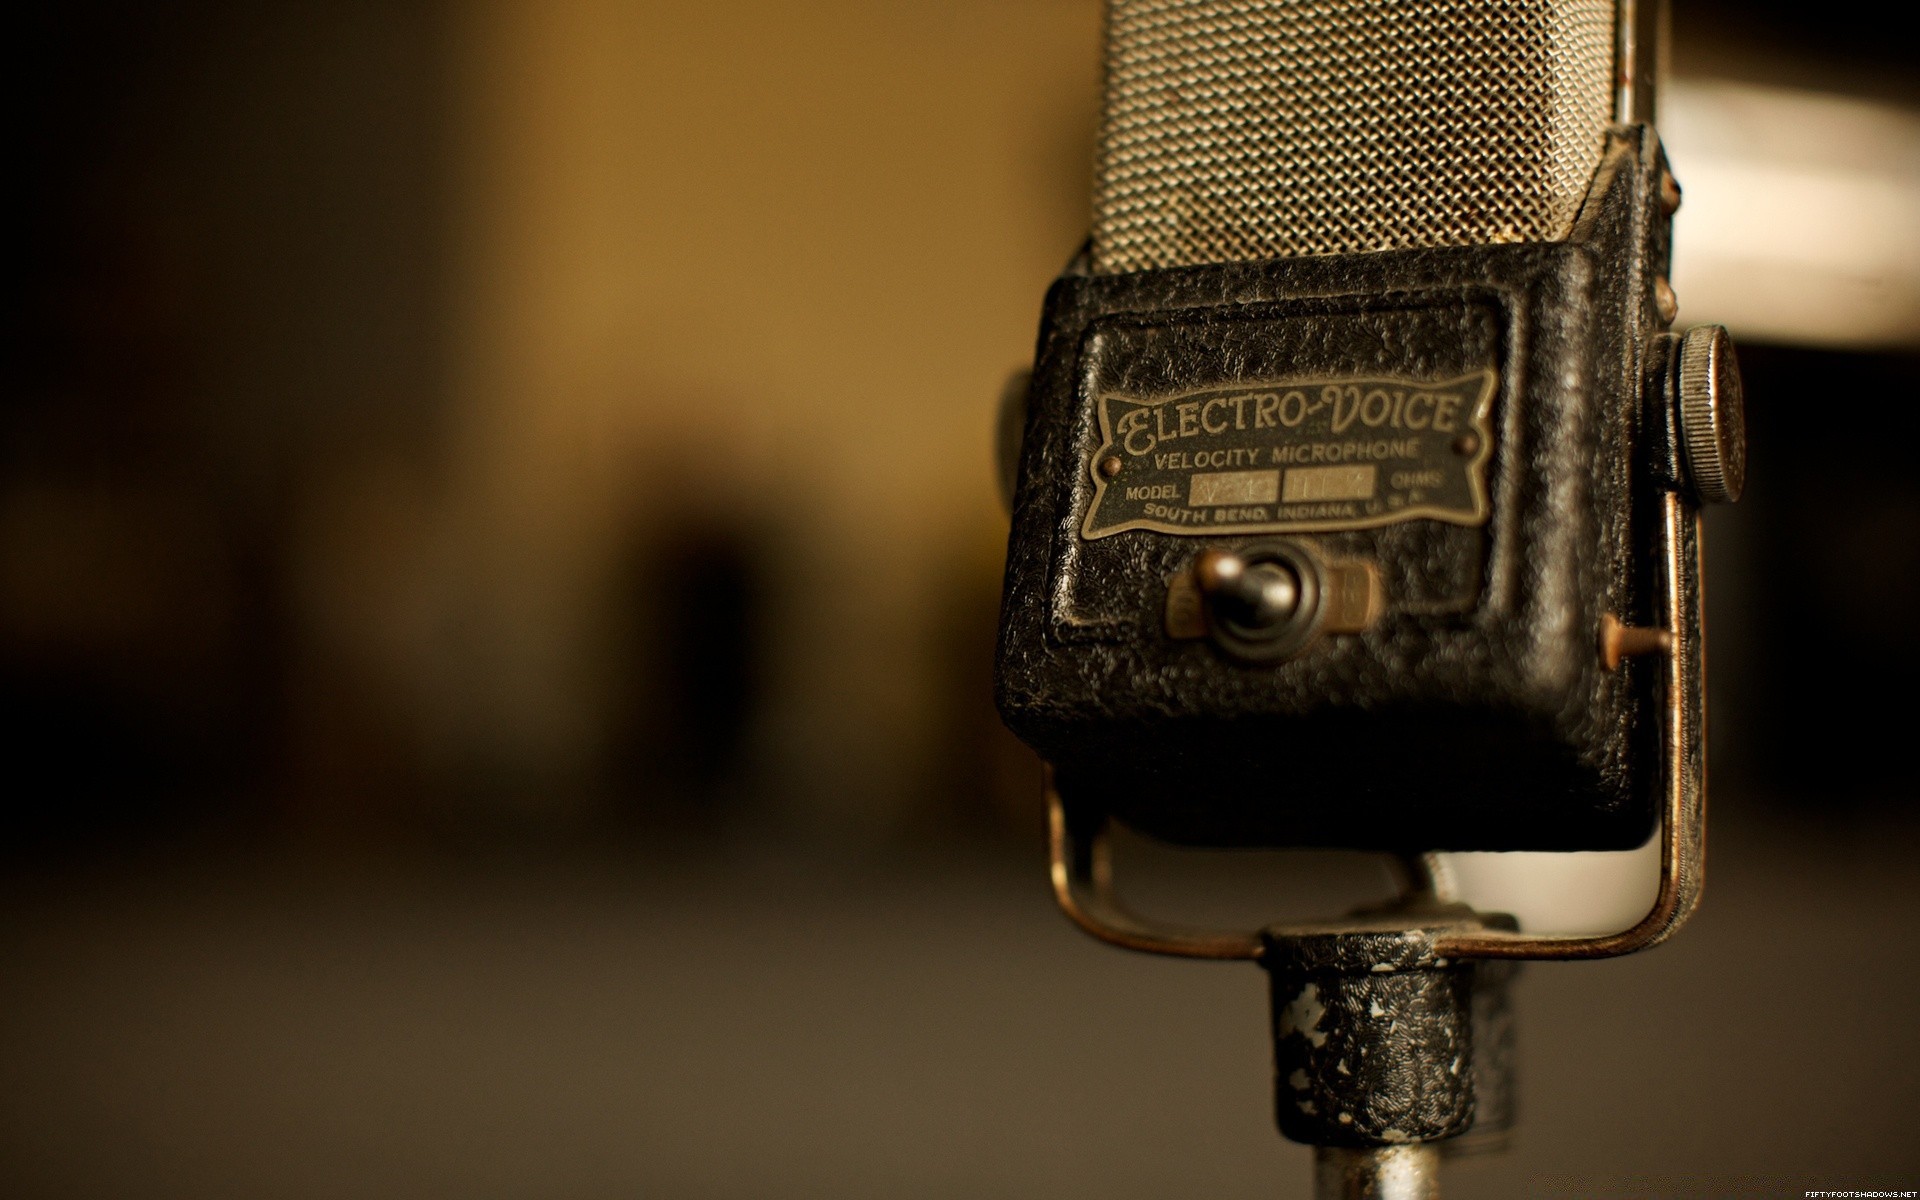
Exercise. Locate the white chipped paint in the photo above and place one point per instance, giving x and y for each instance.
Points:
(1341, 1067)
(1383, 968)
(1394, 1135)
(1374, 1009)
(1297, 1081)
(1303, 1016)
(1346, 1118)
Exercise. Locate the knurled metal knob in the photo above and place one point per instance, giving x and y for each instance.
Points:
(1713, 421)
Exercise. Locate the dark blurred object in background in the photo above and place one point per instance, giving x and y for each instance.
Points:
(379, 460)
(232, 291)
(1820, 637)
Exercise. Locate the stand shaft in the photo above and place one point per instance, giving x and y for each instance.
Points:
(1377, 1173)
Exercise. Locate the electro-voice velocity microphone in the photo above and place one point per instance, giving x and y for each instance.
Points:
(1355, 502)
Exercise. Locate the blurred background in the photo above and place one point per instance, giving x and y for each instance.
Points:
(499, 559)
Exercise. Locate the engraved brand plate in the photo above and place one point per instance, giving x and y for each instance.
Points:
(1309, 454)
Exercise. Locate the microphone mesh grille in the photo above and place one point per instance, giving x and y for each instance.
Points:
(1252, 129)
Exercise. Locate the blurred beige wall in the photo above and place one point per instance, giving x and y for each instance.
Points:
(754, 263)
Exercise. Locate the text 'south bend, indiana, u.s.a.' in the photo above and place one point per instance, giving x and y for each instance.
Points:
(1294, 456)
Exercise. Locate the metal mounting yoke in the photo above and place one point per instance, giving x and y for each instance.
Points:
(1080, 844)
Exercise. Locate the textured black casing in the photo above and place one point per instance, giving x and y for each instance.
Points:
(1475, 713)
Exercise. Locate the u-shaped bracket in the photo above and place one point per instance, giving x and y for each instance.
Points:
(1082, 856)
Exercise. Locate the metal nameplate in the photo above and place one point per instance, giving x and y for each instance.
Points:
(1294, 456)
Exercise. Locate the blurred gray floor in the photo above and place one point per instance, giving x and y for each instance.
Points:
(764, 1024)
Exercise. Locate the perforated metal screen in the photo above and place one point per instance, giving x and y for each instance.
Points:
(1250, 129)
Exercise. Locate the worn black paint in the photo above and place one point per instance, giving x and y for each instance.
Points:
(1372, 1039)
(1475, 714)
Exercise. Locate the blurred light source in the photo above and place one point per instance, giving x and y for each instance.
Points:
(1802, 216)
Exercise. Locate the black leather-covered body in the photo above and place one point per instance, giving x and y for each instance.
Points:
(1475, 712)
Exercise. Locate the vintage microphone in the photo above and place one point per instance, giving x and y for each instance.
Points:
(1355, 505)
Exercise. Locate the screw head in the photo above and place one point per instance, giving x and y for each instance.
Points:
(1664, 301)
(1669, 193)
(1713, 421)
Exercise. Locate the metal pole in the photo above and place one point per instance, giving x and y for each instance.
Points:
(1409, 1172)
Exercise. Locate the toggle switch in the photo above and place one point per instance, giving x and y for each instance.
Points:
(1248, 595)
(1263, 600)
